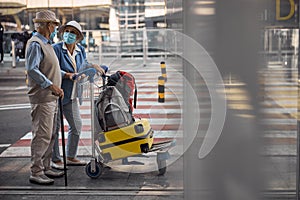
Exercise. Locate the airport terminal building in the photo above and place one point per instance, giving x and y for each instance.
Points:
(255, 46)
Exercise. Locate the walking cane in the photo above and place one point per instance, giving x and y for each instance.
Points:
(63, 140)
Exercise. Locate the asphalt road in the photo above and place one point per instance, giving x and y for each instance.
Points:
(14, 106)
(13, 125)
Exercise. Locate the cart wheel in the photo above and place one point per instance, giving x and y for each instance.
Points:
(145, 148)
(96, 173)
(162, 167)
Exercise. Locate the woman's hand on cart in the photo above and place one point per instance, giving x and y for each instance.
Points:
(74, 76)
(78, 77)
(101, 69)
(70, 76)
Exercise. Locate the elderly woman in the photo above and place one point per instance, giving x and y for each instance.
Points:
(72, 59)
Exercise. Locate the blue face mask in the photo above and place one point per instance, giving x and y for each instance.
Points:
(69, 38)
(53, 34)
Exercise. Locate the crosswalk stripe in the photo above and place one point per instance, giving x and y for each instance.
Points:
(165, 119)
(4, 145)
(279, 108)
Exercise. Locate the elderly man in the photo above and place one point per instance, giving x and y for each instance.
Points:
(44, 81)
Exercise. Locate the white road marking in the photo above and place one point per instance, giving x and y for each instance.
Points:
(14, 106)
(4, 145)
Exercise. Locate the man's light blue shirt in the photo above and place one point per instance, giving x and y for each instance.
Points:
(34, 57)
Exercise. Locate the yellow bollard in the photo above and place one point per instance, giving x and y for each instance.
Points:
(163, 70)
(161, 89)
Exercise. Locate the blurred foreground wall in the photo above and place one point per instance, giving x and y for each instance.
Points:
(229, 33)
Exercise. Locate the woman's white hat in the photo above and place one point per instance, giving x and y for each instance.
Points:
(75, 25)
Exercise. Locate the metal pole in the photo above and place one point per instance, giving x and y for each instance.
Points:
(166, 26)
(175, 45)
(72, 10)
(100, 53)
(270, 40)
(145, 47)
(92, 118)
(298, 139)
(279, 46)
(298, 117)
(93, 160)
(63, 139)
(88, 40)
(13, 54)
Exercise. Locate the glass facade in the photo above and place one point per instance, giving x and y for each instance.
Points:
(107, 16)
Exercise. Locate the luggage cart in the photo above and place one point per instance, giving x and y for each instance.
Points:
(98, 162)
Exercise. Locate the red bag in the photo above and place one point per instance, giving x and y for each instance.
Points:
(125, 83)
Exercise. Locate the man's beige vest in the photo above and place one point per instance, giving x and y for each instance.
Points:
(50, 68)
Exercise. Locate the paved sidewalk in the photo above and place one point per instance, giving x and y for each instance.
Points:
(120, 182)
(114, 184)
(15, 174)
(9, 72)
(165, 118)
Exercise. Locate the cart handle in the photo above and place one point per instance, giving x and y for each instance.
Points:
(88, 72)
